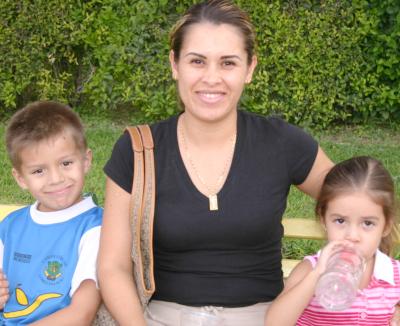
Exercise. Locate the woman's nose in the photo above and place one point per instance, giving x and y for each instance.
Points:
(212, 74)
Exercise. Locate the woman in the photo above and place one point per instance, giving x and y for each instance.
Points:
(222, 176)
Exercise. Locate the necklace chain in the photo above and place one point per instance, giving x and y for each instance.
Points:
(212, 190)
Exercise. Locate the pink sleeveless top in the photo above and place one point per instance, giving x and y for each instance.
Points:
(374, 305)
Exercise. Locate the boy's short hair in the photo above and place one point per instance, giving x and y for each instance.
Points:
(39, 121)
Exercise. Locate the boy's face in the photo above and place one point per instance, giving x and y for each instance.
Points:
(53, 171)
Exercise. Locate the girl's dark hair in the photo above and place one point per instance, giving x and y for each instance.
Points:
(216, 12)
(366, 174)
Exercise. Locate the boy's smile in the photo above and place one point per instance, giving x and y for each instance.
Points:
(53, 171)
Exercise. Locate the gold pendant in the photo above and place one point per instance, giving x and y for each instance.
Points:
(213, 202)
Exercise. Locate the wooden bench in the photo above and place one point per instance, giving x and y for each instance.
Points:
(295, 228)
(300, 228)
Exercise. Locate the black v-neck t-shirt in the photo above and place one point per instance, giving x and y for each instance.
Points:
(230, 257)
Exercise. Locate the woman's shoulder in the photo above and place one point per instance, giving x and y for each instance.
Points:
(253, 117)
(158, 130)
(271, 123)
(273, 128)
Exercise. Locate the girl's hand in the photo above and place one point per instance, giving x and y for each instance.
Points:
(328, 251)
(396, 316)
(4, 289)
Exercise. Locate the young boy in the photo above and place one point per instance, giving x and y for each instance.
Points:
(48, 250)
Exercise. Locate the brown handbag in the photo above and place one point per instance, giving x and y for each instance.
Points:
(141, 218)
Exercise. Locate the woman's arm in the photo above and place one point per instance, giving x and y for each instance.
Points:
(315, 178)
(115, 264)
(82, 310)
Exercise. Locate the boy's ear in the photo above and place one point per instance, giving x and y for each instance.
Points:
(88, 160)
(19, 178)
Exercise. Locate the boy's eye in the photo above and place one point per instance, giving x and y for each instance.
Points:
(37, 171)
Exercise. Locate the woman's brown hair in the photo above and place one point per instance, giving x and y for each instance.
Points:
(216, 12)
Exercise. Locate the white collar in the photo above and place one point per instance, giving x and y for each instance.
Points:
(383, 268)
(63, 214)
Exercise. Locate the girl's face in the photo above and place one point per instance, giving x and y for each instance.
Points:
(356, 218)
(212, 70)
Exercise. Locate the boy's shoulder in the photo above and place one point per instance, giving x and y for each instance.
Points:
(23, 211)
(86, 212)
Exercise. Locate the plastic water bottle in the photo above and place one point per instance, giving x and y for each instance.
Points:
(337, 288)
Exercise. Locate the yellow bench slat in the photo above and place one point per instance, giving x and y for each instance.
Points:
(302, 228)
(288, 265)
(7, 209)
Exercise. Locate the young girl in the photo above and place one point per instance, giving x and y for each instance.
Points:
(356, 206)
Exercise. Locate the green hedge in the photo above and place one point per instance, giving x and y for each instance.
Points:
(320, 62)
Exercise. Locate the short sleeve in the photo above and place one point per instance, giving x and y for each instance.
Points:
(312, 259)
(301, 150)
(119, 167)
(87, 261)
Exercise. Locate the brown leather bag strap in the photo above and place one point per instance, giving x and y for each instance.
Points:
(149, 195)
(142, 210)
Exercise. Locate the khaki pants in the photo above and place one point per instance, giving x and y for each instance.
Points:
(162, 313)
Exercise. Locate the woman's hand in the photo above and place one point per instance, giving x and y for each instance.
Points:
(4, 289)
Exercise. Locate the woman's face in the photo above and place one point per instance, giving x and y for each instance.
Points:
(212, 70)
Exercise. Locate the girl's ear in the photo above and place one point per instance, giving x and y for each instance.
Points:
(323, 224)
(387, 229)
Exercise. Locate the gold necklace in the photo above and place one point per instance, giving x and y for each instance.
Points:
(212, 191)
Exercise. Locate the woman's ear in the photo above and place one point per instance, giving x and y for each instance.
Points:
(173, 64)
(251, 69)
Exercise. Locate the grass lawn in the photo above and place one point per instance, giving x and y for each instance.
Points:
(338, 143)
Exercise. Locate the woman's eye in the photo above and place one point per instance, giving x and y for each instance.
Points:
(196, 61)
(229, 63)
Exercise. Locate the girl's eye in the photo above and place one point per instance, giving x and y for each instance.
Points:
(369, 223)
(38, 171)
(339, 221)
